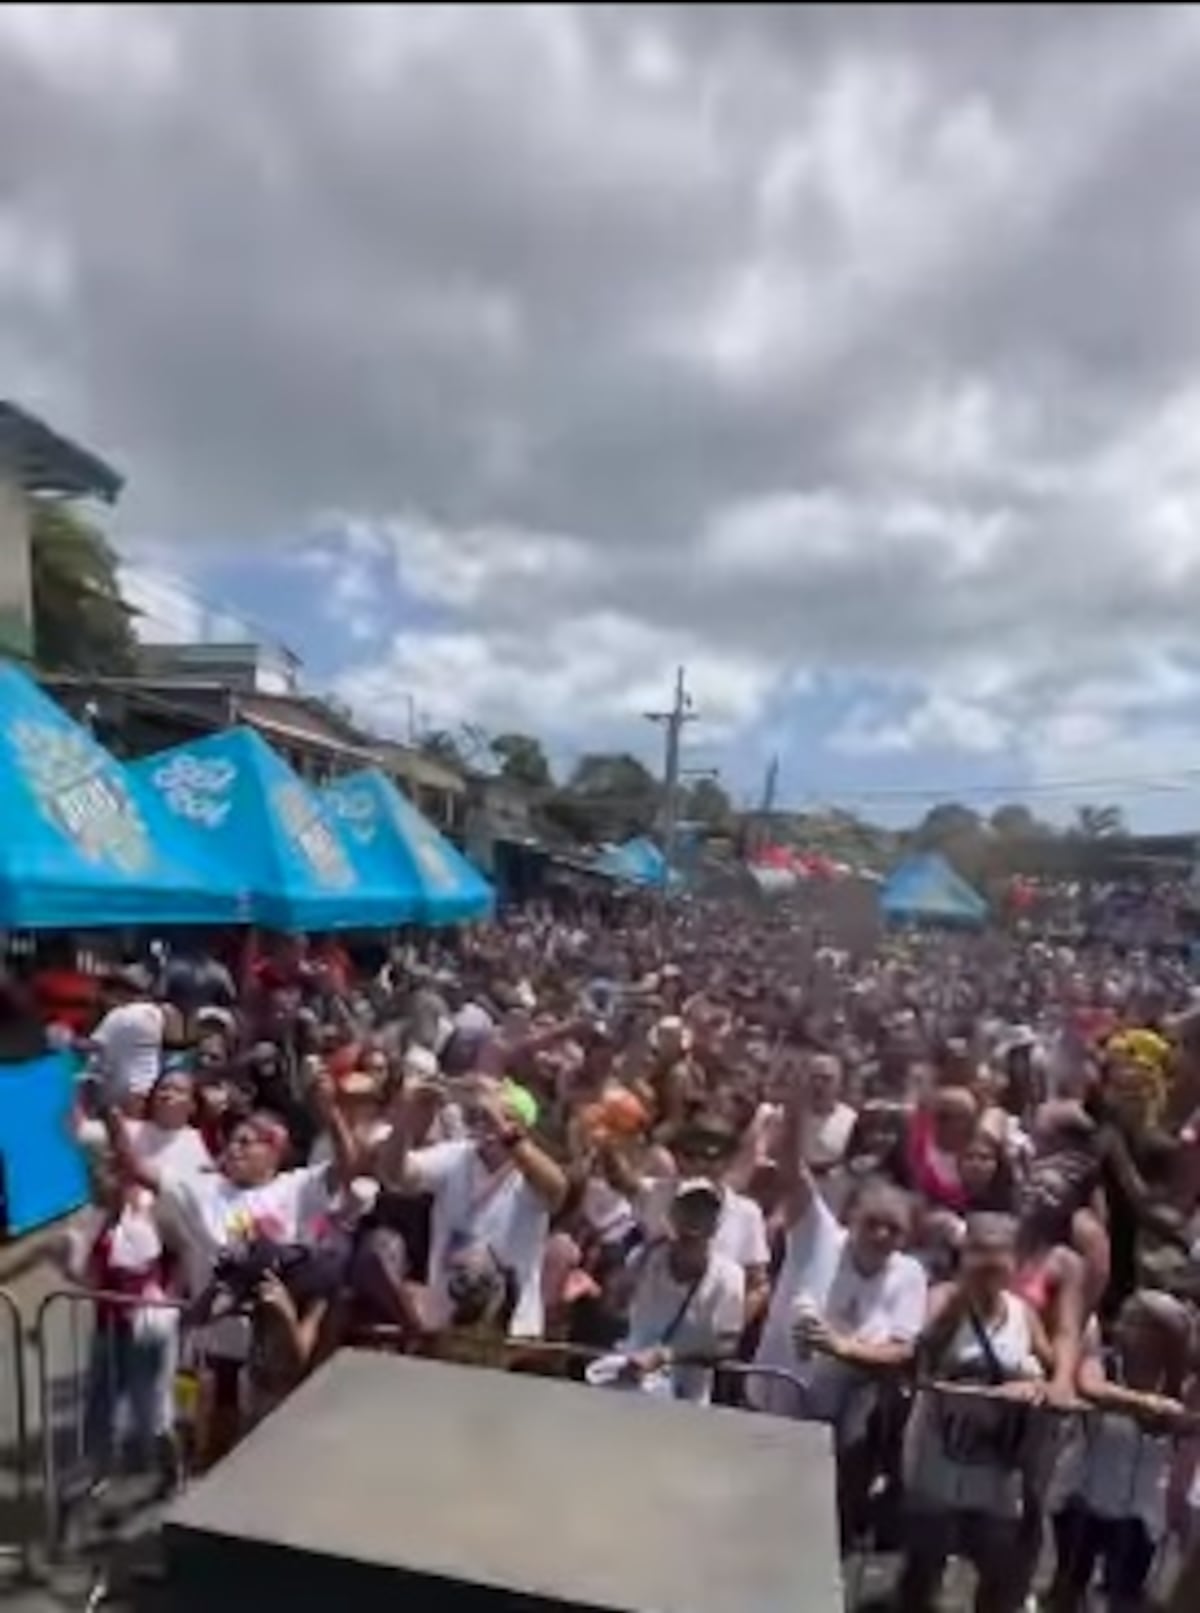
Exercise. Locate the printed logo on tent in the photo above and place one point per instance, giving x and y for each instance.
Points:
(356, 812)
(312, 837)
(83, 798)
(426, 845)
(198, 788)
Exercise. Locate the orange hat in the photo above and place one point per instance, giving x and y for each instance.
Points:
(624, 1114)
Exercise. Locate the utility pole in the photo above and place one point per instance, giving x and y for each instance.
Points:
(673, 723)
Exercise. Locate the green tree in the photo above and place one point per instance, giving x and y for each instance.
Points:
(442, 746)
(707, 803)
(619, 794)
(946, 823)
(959, 834)
(1015, 822)
(81, 622)
(523, 760)
(1100, 822)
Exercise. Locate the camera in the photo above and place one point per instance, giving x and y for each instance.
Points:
(239, 1273)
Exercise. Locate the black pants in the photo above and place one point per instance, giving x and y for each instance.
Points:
(1123, 1546)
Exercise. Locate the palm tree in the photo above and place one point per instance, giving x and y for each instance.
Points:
(81, 622)
(1100, 822)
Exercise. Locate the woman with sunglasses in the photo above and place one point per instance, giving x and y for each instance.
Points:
(249, 1196)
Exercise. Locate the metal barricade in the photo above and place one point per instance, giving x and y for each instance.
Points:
(973, 1482)
(114, 1435)
(17, 1530)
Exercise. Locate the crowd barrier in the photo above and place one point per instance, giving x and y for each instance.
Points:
(100, 1387)
(15, 1532)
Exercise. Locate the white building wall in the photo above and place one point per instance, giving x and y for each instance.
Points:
(16, 601)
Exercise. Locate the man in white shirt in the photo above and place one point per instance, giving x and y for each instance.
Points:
(497, 1187)
(706, 1149)
(688, 1301)
(128, 1041)
(847, 1299)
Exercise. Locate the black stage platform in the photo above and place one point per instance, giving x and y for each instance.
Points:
(411, 1485)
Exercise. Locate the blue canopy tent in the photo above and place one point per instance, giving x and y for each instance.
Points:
(926, 890)
(393, 839)
(244, 803)
(84, 844)
(637, 862)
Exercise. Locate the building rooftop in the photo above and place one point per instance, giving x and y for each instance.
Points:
(42, 461)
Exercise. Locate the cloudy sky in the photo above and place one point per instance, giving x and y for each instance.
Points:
(502, 359)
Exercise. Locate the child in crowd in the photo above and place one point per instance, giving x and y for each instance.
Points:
(1110, 1503)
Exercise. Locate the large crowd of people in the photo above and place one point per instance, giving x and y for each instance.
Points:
(943, 1196)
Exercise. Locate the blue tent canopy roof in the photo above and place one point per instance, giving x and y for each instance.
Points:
(245, 804)
(395, 841)
(84, 844)
(637, 862)
(925, 889)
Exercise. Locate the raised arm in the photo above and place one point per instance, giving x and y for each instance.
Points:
(796, 1180)
(1066, 1324)
(544, 1175)
(348, 1155)
(390, 1162)
(130, 1167)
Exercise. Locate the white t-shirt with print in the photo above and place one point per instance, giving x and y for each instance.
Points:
(129, 1039)
(887, 1306)
(211, 1214)
(474, 1205)
(714, 1315)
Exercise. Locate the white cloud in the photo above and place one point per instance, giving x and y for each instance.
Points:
(782, 342)
(565, 678)
(169, 609)
(938, 722)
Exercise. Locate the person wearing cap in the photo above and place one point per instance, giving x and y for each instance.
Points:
(497, 1187)
(672, 1078)
(706, 1147)
(689, 1301)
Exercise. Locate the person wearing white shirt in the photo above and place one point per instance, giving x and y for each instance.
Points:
(497, 1187)
(128, 1041)
(688, 1300)
(847, 1298)
(830, 1121)
(249, 1198)
(848, 1307)
(706, 1149)
(166, 1137)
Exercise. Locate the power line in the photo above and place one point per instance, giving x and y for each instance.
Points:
(1179, 782)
